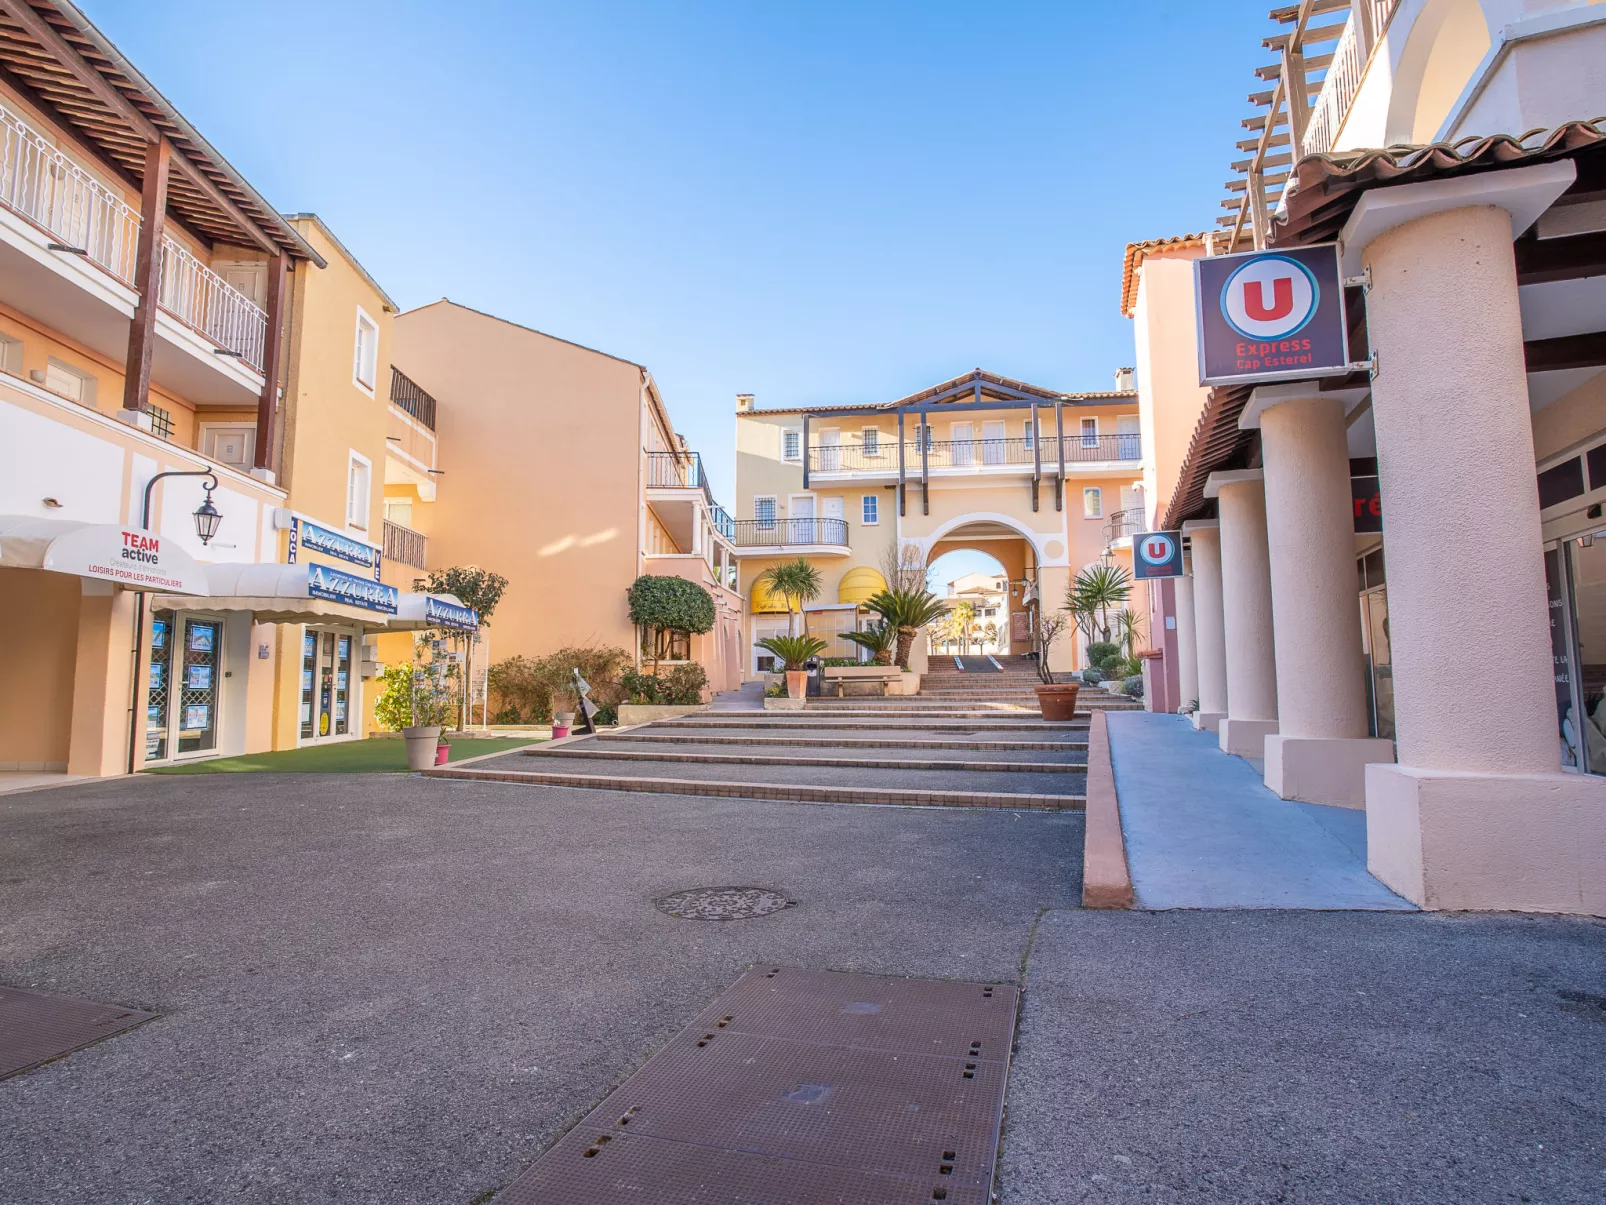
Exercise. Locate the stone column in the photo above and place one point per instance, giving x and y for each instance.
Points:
(1187, 644)
(1208, 631)
(1477, 814)
(1246, 612)
(1321, 748)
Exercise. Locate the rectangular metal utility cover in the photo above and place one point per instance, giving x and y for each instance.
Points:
(802, 1088)
(35, 1028)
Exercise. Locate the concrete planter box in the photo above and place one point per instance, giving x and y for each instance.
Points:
(645, 713)
(784, 704)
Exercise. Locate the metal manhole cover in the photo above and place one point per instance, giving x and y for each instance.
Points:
(722, 903)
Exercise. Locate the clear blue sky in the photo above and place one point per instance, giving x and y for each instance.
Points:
(813, 202)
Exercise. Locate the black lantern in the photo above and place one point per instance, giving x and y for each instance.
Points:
(207, 517)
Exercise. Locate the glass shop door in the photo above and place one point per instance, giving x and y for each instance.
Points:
(326, 686)
(197, 667)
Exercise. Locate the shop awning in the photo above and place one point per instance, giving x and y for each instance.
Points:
(860, 585)
(315, 593)
(130, 557)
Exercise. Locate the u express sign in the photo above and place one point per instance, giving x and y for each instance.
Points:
(1270, 315)
(1157, 554)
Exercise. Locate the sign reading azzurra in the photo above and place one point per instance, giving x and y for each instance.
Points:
(442, 614)
(324, 582)
(306, 534)
(1270, 316)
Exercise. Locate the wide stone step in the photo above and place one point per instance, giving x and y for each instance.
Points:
(849, 721)
(790, 793)
(839, 740)
(1064, 758)
(1016, 779)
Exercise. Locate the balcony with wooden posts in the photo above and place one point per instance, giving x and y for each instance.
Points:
(1321, 61)
(774, 536)
(119, 224)
(964, 457)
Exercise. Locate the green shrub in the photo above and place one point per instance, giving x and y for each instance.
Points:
(670, 602)
(679, 686)
(1101, 651)
(393, 709)
(1092, 675)
(533, 690)
(1133, 686)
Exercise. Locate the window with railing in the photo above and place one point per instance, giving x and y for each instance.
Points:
(161, 420)
(410, 398)
(772, 532)
(404, 545)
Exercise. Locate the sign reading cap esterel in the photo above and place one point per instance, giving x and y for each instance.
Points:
(1270, 316)
(440, 613)
(1157, 554)
(324, 582)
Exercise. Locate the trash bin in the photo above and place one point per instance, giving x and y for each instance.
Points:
(816, 684)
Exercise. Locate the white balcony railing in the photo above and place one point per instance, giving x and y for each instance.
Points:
(41, 184)
(202, 300)
(1343, 79)
(47, 188)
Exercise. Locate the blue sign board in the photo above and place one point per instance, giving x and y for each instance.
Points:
(324, 582)
(442, 614)
(306, 534)
(1270, 316)
(1157, 554)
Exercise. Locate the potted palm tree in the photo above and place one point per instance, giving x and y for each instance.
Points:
(795, 651)
(1055, 700)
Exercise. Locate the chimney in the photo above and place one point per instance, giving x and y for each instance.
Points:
(744, 401)
(1125, 380)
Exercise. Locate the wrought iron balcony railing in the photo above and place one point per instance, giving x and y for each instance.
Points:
(1124, 523)
(790, 533)
(407, 396)
(405, 545)
(972, 454)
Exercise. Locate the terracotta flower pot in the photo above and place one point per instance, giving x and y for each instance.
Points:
(797, 683)
(1057, 702)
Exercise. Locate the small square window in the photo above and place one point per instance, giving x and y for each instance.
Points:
(1093, 503)
(365, 360)
(69, 382)
(871, 510)
(792, 444)
(871, 441)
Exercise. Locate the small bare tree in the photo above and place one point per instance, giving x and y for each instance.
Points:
(1050, 624)
(904, 567)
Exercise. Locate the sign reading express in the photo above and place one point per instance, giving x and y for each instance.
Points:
(1270, 316)
(1157, 554)
(324, 582)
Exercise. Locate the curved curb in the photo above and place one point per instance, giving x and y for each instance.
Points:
(1106, 878)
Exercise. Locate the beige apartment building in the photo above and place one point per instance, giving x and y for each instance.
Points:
(559, 468)
(1397, 587)
(1046, 482)
(192, 424)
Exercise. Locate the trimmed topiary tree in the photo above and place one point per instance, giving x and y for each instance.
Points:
(669, 603)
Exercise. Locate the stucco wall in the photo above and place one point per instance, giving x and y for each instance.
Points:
(39, 611)
(541, 447)
(1170, 396)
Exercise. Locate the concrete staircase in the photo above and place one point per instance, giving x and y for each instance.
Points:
(945, 683)
(949, 756)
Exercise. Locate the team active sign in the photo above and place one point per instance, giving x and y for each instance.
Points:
(1270, 316)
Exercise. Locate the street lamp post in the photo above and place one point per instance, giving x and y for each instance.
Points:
(207, 519)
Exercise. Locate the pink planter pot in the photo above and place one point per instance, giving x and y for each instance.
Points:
(442, 752)
(559, 731)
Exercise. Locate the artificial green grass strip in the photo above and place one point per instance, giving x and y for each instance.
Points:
(373, 756)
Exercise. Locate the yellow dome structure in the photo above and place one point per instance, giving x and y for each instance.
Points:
(860, 585)
(764, 601)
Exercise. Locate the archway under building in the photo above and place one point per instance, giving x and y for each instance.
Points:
(1002, 562)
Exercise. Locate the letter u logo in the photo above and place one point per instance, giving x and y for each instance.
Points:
(1282, 299)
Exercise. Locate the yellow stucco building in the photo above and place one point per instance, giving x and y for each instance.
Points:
(1045, 482)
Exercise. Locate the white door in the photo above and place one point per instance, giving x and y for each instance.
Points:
(1128, 446)
(800, 520)
(993, 447)
(830, 450)
(961, 446)
(831, 508)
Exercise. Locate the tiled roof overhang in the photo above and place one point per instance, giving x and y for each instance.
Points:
(51, 54)
(990, 385)
(1323, 193)
(1135, 254)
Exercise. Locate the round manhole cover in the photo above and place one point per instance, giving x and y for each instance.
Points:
(722, 903)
